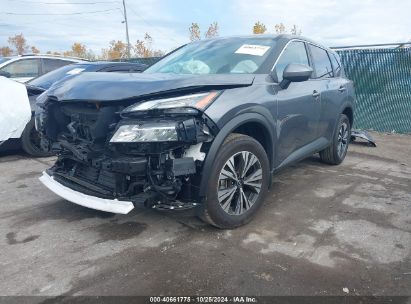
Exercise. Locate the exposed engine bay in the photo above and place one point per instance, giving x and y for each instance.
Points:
(150, 157)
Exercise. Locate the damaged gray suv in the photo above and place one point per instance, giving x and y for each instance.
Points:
(203, 128)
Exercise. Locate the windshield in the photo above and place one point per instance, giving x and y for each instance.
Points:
(4, 59)
(45, 81)
(219, 56)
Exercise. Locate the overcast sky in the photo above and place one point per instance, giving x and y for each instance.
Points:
(331, 22)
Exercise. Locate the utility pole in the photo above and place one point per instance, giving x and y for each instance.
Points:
(128, 38)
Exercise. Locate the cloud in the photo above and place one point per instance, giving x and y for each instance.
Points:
(334, 22)
(58, 32)
(331, 22)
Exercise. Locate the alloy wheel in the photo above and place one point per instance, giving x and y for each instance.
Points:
(343, 135)
(239, 183)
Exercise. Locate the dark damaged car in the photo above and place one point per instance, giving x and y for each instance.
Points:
(30, 141)
(204, 128)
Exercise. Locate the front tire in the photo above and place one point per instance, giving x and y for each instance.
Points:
(336, 152)
(30, 141)
(238, 183)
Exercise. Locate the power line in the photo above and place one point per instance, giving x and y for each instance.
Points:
(127, 36)
(58, 14)
(149, 24)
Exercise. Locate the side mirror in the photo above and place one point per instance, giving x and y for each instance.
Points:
(5, 74)
(295, 72)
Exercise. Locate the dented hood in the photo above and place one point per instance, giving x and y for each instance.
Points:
(98, 86)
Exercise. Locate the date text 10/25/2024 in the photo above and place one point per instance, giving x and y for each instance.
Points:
(203, 299)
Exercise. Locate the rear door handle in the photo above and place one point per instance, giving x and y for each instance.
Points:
(342, 89)
(316, 94)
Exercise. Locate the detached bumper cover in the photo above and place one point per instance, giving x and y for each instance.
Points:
(108, 205)
(364, 135)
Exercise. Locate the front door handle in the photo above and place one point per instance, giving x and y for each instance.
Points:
(342, 89)
(316, 94)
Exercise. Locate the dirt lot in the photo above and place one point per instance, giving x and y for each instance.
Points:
(322, 229)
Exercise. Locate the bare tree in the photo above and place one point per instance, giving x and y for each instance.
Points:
(212, 31)
(195, 33)
(35, 50)
(279, 28)
(295, 30)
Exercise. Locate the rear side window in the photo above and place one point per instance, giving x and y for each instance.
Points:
(322, 63)
(295, 52)
(336, 65)
(52, 64)
(23, 68)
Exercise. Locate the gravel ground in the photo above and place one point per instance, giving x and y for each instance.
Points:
(322, 229)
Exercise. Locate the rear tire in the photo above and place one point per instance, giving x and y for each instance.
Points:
(336, 152)
(234, 196)
(30, 141)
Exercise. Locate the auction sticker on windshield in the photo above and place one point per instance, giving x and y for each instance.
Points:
(253, 49)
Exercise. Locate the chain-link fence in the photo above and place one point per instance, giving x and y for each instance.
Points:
(382, 80)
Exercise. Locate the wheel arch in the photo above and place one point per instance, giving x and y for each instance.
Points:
(255, 125)
(259, 132)
(348, 110)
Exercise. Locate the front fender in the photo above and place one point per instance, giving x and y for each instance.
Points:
(227, 130)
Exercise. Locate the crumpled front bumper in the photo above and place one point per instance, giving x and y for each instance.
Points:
(107, 205)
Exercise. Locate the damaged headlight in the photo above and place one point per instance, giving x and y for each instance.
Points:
(153, 132)
(198, 101)
(39, 115)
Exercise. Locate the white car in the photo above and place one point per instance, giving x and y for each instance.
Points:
(26, 67)
(13, 115)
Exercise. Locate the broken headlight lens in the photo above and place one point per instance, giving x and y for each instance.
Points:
(198, 101)
(154, 132)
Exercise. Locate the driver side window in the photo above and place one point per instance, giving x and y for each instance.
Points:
(295, 52)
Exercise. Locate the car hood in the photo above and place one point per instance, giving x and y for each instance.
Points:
(100, 86)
